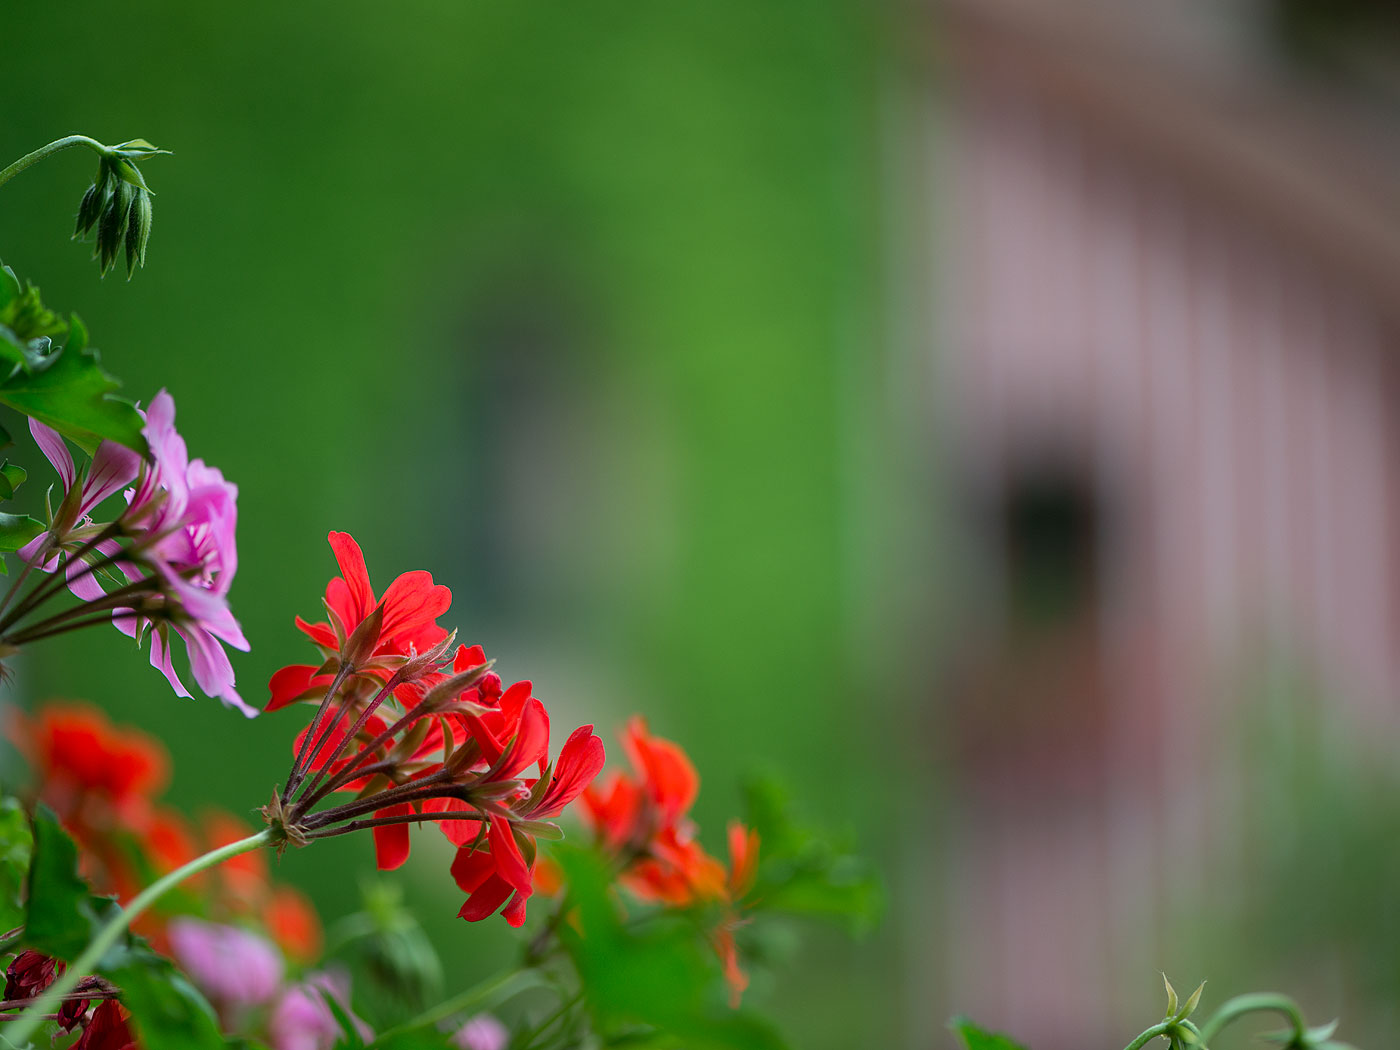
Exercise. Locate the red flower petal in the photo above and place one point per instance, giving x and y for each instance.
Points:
(580, 760)
(391, 840)
(352, 569)
(510, 865)
(484, 901)
(292, 683)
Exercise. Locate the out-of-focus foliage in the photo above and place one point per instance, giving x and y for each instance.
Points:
(975, 1038)
(802, 872)
(655, 973)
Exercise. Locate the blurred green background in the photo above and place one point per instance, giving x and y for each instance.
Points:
(576, 306)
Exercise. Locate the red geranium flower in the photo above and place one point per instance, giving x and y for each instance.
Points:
(91, 773)
(409, 609)
(643, 820)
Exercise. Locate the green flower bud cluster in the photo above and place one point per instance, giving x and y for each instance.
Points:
(118, 206)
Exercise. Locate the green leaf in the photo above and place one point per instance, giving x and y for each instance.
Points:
(16, 852)
(12, 476)
(16, 530)
(802, 872)
(665, 975)
(350, 1038)
(24, 312)
(169, 1012)
(69, 391)
(60, 918)
(975, 1038)
(9, 286)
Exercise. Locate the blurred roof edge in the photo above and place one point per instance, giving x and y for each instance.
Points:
(1303, 163)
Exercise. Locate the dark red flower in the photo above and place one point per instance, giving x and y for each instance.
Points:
(29, 973)
(107, 1029)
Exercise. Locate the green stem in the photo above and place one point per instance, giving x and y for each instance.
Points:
(1257, 1002)
(1160, 1028)
(18, 1032)
(492, 990)
(534, 1034)
(30, 159)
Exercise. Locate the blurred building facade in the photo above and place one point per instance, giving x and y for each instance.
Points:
(1170, 317)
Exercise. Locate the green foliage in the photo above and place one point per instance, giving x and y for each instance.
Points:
(170, 1014)
(658, 976)
(61, 914)
(16, 851)
(975, 1038)
(65, 388)
(803, 873)
(393, 962)
(12, 476)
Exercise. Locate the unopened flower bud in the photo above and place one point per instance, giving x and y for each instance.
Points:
(138, 230)
(360, 646)
(418, 665)
(88, 211)
(450, 691)
(111, 228)
(118, 206)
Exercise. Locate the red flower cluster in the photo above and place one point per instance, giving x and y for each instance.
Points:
(103, 782)
(643, 821)
(416, 738)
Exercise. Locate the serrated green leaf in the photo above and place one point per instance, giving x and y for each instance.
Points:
(26, 316)
(70, 392)
(60, 918)
(169, 1012)
(16, 853)
(975, 1038)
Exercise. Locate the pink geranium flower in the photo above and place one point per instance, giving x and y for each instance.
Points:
(183, 516)
(302, 1020)
(175, 543)
(235, 968)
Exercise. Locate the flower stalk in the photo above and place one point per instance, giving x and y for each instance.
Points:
(19, 1031)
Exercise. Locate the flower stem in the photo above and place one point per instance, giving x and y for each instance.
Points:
(1160, 1028)
(19, 1031)
(384, 690)
(30, 159)
(492, 990)
(298, 773)
(400, 818)
(1257, 1002)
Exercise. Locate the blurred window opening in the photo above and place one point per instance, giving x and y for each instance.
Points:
(1032, 711)
(1049, 520)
